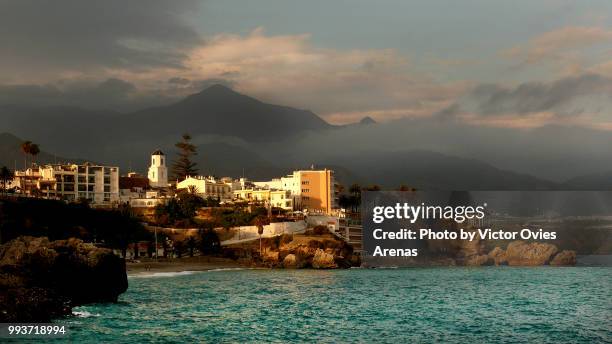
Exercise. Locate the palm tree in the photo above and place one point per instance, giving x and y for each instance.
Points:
(355, 200)
(34, 150)
(29, 148)
(260, 221)
(25, 149)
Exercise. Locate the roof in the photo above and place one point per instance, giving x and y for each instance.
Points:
(157, 152)
(133, 182)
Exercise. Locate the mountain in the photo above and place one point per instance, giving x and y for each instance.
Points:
(428, 170)
(367, 120)
(223, 159)
(125, 138)
(219, 110)
(600, 181)
(11, 155)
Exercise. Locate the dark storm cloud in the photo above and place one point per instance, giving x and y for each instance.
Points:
(527, 98)
(114, 94)
(77, 35)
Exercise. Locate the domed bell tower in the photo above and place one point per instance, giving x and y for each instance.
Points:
(158, 172)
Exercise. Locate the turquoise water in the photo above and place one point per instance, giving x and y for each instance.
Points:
(464, 305)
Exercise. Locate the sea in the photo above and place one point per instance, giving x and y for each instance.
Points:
(407, 305)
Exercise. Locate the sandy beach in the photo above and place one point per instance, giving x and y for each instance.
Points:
(150, 266)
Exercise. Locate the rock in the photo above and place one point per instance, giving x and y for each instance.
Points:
(479, 260)
(498, 255)
(564, 258)
(290, 261)
(40, 280)
(271, 257)
(520, 253)
(323, 260)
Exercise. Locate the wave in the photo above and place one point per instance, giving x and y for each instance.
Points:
(229, 269)
(84, 314)
(166, 274)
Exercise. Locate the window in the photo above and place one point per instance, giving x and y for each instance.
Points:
(305, 182)
(305, 190)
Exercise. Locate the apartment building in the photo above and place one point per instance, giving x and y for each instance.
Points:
(311, 190)
(95, 183)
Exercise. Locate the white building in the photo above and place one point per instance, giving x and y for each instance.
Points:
(158, 172)
(207, 187)
(97, 184)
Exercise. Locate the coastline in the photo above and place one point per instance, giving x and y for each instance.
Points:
(149, 267)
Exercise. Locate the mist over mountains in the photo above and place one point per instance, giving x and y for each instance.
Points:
(238, 135)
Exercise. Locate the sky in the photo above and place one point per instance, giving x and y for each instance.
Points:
(511, 64)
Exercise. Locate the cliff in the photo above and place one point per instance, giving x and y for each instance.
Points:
(42, 279)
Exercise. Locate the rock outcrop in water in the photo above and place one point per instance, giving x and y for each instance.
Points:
(520, 253)
(564, 258)
(42, 279)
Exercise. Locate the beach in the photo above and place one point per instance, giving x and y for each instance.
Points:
(177, 265)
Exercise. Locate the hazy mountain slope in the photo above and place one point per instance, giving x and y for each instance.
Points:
(11, 155)
(433, 171)
(222, 159)
(600, 181)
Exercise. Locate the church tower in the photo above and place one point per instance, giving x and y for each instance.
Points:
(158, 172)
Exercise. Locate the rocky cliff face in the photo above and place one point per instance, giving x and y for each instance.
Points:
(317, 251)
(40, 280)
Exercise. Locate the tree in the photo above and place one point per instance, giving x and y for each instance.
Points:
(191, 244)
(179, 247)
(29, 148)
(404, 187)
(25, 149)
(5, 177)
(355, 199)
(183, 166)
(345, 201)
(260, 221)
(209, 241)
(34, 150)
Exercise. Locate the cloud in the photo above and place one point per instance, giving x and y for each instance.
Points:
(582, 100)
(112, 94)
(561, 96)
(71, 38)
(558, 44)
(341, 85)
